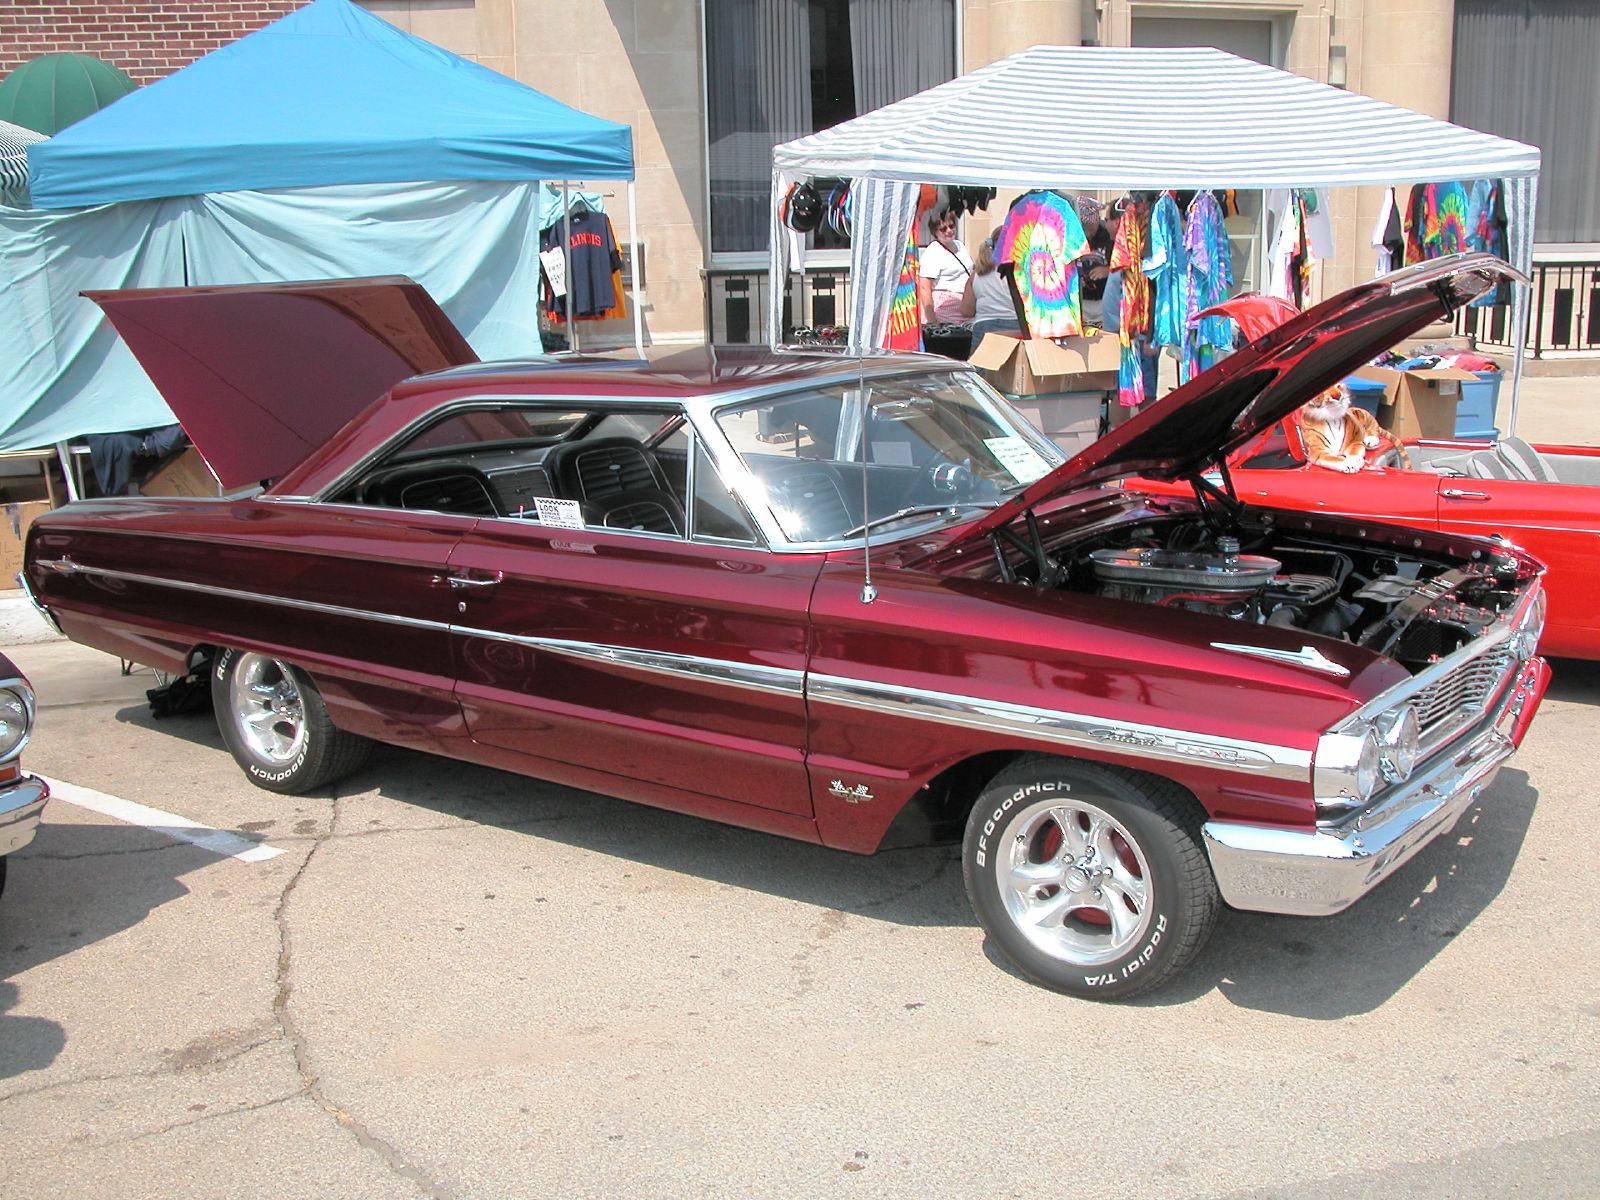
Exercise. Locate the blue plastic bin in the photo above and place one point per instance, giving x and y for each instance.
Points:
(1365, 394)
(1475, 412)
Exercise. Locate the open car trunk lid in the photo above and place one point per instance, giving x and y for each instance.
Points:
(1199, 424)
(260, 375)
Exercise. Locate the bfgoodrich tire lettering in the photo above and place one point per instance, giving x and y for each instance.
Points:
(1091, 879)
(275, 725)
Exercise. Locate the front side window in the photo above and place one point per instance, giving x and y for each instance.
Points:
(777, 70)
(831, 460)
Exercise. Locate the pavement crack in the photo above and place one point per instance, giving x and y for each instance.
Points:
(310, 1083)
(122, 1076)
(210, 1116)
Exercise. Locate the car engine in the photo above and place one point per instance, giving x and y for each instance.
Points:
(1410, 604)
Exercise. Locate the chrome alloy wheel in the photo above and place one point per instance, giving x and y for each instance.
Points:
(1074, 882)
(266, 708)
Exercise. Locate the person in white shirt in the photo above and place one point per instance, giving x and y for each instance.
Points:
(945, 269)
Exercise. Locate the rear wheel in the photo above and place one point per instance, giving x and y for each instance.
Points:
(275, 725)
(1091, 879)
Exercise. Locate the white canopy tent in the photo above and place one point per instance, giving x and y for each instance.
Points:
(1103, 118)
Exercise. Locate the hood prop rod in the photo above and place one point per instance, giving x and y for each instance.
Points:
(1050, 572)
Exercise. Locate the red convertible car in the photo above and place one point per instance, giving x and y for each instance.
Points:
(1546, 499)
(848, 601)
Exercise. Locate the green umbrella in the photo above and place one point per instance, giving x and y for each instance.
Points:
(47, 94)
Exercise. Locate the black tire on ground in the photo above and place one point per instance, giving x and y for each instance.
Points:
(1091, 879)
(275, 725)
(2, 874)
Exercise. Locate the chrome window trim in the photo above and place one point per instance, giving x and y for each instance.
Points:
(1077, 730)
(700, 411)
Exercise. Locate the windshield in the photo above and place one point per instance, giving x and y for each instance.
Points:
(934, 446)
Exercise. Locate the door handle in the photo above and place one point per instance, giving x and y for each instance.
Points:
(462, 581)
(1459, 494)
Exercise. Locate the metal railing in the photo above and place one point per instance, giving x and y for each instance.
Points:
(736, 303)
(1565, 315)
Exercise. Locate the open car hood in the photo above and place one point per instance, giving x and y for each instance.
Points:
(260, 375)
(1194, 428)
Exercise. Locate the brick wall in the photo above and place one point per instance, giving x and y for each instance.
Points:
(146, 38)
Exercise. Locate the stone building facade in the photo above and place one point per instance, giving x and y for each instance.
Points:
(644, 63)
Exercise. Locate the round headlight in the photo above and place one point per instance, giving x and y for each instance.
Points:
(1399, 732)
(13, 722)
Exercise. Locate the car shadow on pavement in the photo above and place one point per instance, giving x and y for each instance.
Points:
(1318, 968)
(72, 886)
(1325, 968)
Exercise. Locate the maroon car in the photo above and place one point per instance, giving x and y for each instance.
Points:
(847, 601)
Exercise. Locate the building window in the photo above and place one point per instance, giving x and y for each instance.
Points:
(780, 69)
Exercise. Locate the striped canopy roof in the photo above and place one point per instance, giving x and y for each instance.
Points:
(1103, 117)
(14, 142)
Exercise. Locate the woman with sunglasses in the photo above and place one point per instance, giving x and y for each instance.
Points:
(942, 277)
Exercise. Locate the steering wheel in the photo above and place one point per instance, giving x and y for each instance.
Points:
(942, 478)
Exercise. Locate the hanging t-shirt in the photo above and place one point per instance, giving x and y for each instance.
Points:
(1043, 240)
(1164, 266)
(1486, 230)
(1436, 221)
(1129, 290)
(1209, 266)
(593, 260)
(905, 322)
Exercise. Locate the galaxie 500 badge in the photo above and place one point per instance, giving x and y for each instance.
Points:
(850, 795)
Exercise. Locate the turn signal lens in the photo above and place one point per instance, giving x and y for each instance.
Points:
(1346, 771)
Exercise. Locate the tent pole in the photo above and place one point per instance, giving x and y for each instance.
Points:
(633, 269)
(1521, 293)
(64, 452)
(566, 240)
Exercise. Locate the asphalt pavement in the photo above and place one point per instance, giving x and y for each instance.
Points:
(443, 981)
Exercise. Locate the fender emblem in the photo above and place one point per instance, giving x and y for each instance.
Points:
(850, 795)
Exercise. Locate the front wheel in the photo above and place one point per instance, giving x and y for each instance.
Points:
(275, 725)
(1091, 879)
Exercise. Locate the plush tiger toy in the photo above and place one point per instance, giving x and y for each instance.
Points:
(1339, 436)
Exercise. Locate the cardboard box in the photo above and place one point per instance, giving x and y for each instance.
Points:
(1070, 419)
(14, 522)
(185, 475)
(1034, 367)
(1418, 403)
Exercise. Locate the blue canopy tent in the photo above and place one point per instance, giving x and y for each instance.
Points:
(275, 157)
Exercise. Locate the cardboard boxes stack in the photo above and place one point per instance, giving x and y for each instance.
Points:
(1059, 386)
(1419, 403)
(185, 475)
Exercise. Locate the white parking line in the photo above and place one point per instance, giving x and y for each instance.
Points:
(218, 841)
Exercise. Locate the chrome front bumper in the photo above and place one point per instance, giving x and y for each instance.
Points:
(20, 806)
(1318, 872)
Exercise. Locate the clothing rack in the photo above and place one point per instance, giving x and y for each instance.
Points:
(574, 339)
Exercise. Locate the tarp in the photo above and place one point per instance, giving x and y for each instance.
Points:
(474, 246)
(1112, 118)
(328, 94)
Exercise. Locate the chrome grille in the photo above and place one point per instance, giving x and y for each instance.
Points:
(1460, 696)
